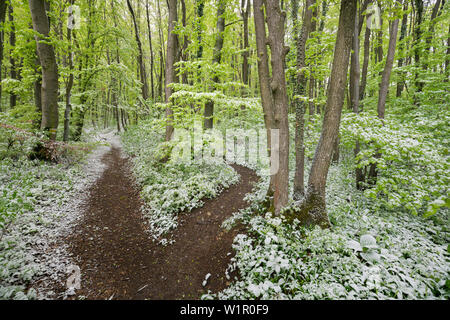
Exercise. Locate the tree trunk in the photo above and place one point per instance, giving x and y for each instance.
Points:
(245, 10)
(3, 7)
(401, 48)
(12, 61)
(172, 48)
(140, 57)
(69, 85)
(49, 68)
(354, 90)
(311, 210)
(300, 90)
(217, 55)
(152, 62)
(274, 98)
(418, 35)
(384, 85)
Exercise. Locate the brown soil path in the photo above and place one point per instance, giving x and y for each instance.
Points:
(118, 259)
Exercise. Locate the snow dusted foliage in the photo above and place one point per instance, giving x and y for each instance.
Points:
(171, 186)
(368, 254)
(40, 203)
(413, 169)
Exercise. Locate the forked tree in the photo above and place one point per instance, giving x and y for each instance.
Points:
(273, 95)
(311, 210)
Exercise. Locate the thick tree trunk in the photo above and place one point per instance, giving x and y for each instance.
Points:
(274, 95)
(172, 48)
(312, 209)
(217, 56)
(49, 68)
(300, 90)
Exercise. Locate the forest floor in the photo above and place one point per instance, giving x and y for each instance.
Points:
(118, 258)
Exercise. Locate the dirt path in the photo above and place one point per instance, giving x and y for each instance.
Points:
(118, 259)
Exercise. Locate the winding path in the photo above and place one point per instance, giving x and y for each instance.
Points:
(118, 259)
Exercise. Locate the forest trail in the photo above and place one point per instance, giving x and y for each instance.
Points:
(118, 259)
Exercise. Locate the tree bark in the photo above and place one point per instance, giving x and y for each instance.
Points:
(401, 59)
(311, 210)
(152, 58)
(217, 56)
(300, 90)
(12, 61)
(417, 40)
(274, 94)
(245, 10)
(140, 57)
(384, 85)
(172, 48)
(49, 68)
(3, 7)
(69, 84)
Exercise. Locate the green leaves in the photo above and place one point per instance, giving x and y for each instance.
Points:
(412, 172)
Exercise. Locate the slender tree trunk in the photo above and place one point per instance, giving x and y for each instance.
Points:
(365, 66)
(172, 48)
(418, 36)
(49, 68)
(12, 61)
(69, 85)
(384, 85)
(300, 90)
(217, 56)
(162, 58)
(401, 59)
(312, 209)
(3, 7)
(245, 10)
(140, 57)
(183, 51)
(434, 13)
(354, 91)
(152, 58)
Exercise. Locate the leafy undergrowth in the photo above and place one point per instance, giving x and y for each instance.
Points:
(172, 186)
(389, 242)
(32, 193)
(368, 254)
(26, 189)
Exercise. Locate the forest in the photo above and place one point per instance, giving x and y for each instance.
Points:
(224, 149)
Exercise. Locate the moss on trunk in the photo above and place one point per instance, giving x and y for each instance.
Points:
(310, 211)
